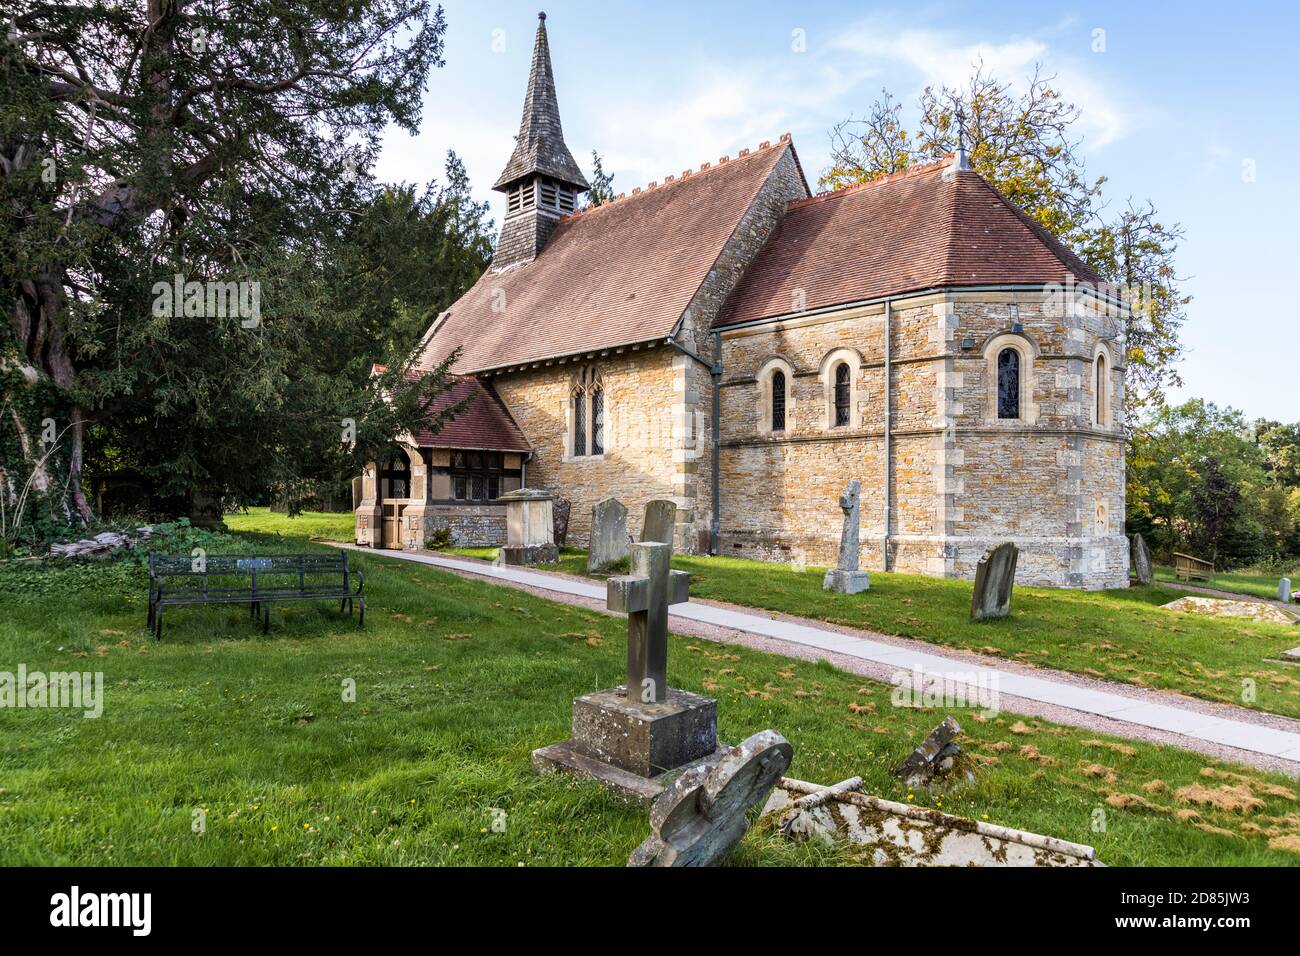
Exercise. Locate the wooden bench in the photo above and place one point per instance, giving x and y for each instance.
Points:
(256, 580)
(1190, 568)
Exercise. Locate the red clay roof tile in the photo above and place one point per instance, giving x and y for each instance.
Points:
(910, 231)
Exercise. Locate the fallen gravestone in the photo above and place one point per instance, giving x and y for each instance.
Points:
(845, 577)
(701, 818)
(561, 508)
(1291, 655)
(1284, 590)
(660, 517)
(635, 738)
(938, 760)
(1140, 558)
(609, 541)
(1252, 610)
(899, 834)
(995, 576)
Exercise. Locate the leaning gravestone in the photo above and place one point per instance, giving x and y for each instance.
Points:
(608, 534)
(1140, 556)
(995, 575)
(702, 817)
(845, 577)
(660, 517)
(1284, 590)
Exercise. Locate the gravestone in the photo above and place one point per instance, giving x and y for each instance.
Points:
(635, 738)
(660, 517)
(702, 817)
(937, 759)
(1284, 590)
(845, 577)
(561, 508)
(995, 576)
(1140, 558)
(609, 539)
(530, 527)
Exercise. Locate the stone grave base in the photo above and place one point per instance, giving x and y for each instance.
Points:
(903, 835)
(846, 582)
(1292, 656)
(636, 749)
(532, 554)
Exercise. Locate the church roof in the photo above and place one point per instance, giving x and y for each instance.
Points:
(540, 146)
(617, 274)
(485, 424)
(914, 230)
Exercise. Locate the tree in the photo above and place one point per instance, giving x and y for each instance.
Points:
(1023, 144)
(601, 189)
(1199, 482)
(215, 142)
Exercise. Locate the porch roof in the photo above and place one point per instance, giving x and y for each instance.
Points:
(485, 424)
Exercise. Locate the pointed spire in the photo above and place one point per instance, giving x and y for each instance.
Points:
(540, 147)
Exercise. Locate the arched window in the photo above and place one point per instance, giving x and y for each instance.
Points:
(778, 401)
(1100, 396)
(579, 423)
(597, 420)
(842, 393)
(1009, 383)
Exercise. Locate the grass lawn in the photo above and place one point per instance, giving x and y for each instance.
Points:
(457, 681)
(1118, 635)
(324, 525)
(1238, 582)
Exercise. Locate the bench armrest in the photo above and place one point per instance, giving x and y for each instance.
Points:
(361, 580)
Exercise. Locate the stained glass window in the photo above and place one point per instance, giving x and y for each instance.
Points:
(1008, 384)
(778, 401)
(841, 394)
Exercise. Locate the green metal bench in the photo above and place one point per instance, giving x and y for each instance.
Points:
(259, 581)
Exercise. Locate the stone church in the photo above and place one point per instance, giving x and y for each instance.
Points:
(725, 338)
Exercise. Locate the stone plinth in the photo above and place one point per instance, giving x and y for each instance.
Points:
(846, 582)
(530, 527)
(635, 748)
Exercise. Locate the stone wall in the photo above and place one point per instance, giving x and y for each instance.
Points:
(638, 463)
(963, 480)
(471, 525)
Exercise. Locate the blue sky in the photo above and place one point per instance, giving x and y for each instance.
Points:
(1183, 103)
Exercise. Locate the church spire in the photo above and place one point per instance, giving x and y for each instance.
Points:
(540, 146)
(541, 181)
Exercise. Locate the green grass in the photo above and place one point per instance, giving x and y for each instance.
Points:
(457, 680)
(320, 525)
(1238, 582)
(1120, 635)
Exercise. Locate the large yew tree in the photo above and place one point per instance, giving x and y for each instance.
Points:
(222, 140)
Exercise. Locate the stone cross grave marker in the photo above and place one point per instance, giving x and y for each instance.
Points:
(660, 517)
(645, 595)
(636, 738)
(995, 576)
(1140, 556)
(845, 577)
(609, 539)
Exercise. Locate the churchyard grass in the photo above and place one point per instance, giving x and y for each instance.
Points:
(1117, 635)
(1239, 582)
(457, 680)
